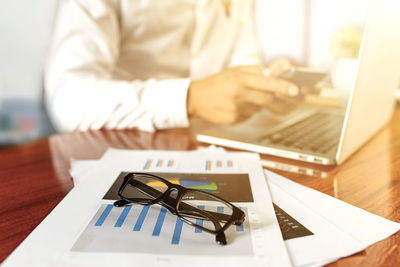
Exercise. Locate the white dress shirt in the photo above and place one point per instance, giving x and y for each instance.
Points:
(123, 64)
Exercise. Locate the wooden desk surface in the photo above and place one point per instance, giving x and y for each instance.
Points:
(34, 178)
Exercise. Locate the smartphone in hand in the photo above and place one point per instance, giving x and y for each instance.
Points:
(304, 78)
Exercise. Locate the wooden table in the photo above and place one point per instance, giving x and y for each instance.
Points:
(34, 178)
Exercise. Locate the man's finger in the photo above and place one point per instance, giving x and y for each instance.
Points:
(248, 109)
(254, 69)
(279, 66)
(281, 107)
(257, 98)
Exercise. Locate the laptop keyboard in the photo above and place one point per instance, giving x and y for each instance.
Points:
(317, 133)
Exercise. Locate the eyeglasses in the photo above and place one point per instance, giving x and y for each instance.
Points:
(214, 216)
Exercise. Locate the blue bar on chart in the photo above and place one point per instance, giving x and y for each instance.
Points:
(141, 218)
(122, 217)
(198, 221)
(177, 232)
(220, 209)
(104, 215)
(159, 163)
(229, 163)
(147, 164)
(208, 165)
(219, 163)
(170, 163)
(240, 228)
(160, 221)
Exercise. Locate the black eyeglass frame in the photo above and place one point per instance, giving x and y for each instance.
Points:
(172, 204)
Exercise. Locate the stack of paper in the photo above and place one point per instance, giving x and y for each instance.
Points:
(339, 229)
(302, 227)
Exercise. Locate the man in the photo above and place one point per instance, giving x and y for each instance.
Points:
(151, 64)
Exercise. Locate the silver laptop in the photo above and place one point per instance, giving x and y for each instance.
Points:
(328, 136)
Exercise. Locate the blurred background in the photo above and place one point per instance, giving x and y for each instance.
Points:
(25, 30)
(314, 33)
(307, 31)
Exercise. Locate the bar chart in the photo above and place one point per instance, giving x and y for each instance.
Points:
(212, 165)
(144, 229)
(159, 164)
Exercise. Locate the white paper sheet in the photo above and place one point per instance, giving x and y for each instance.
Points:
(364, 227)
(51, 242)
(327, 241)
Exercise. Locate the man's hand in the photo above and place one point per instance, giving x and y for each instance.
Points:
(279, 66)
(235, 94)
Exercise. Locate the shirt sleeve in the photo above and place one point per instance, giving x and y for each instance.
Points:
(246, 50)
(80, 91)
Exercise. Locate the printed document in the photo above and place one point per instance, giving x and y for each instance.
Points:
(85, 228)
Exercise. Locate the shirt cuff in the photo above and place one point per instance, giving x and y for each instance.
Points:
(167, 101)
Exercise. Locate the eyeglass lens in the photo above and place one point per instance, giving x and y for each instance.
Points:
(144, 187)
(204, 210)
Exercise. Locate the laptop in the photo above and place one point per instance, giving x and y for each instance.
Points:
(328, 136)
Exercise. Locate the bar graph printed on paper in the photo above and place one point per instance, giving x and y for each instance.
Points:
(218, 164)
(171, 164)
(138, 228)
(157, 164)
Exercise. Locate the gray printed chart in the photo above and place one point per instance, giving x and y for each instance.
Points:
(153, 229)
